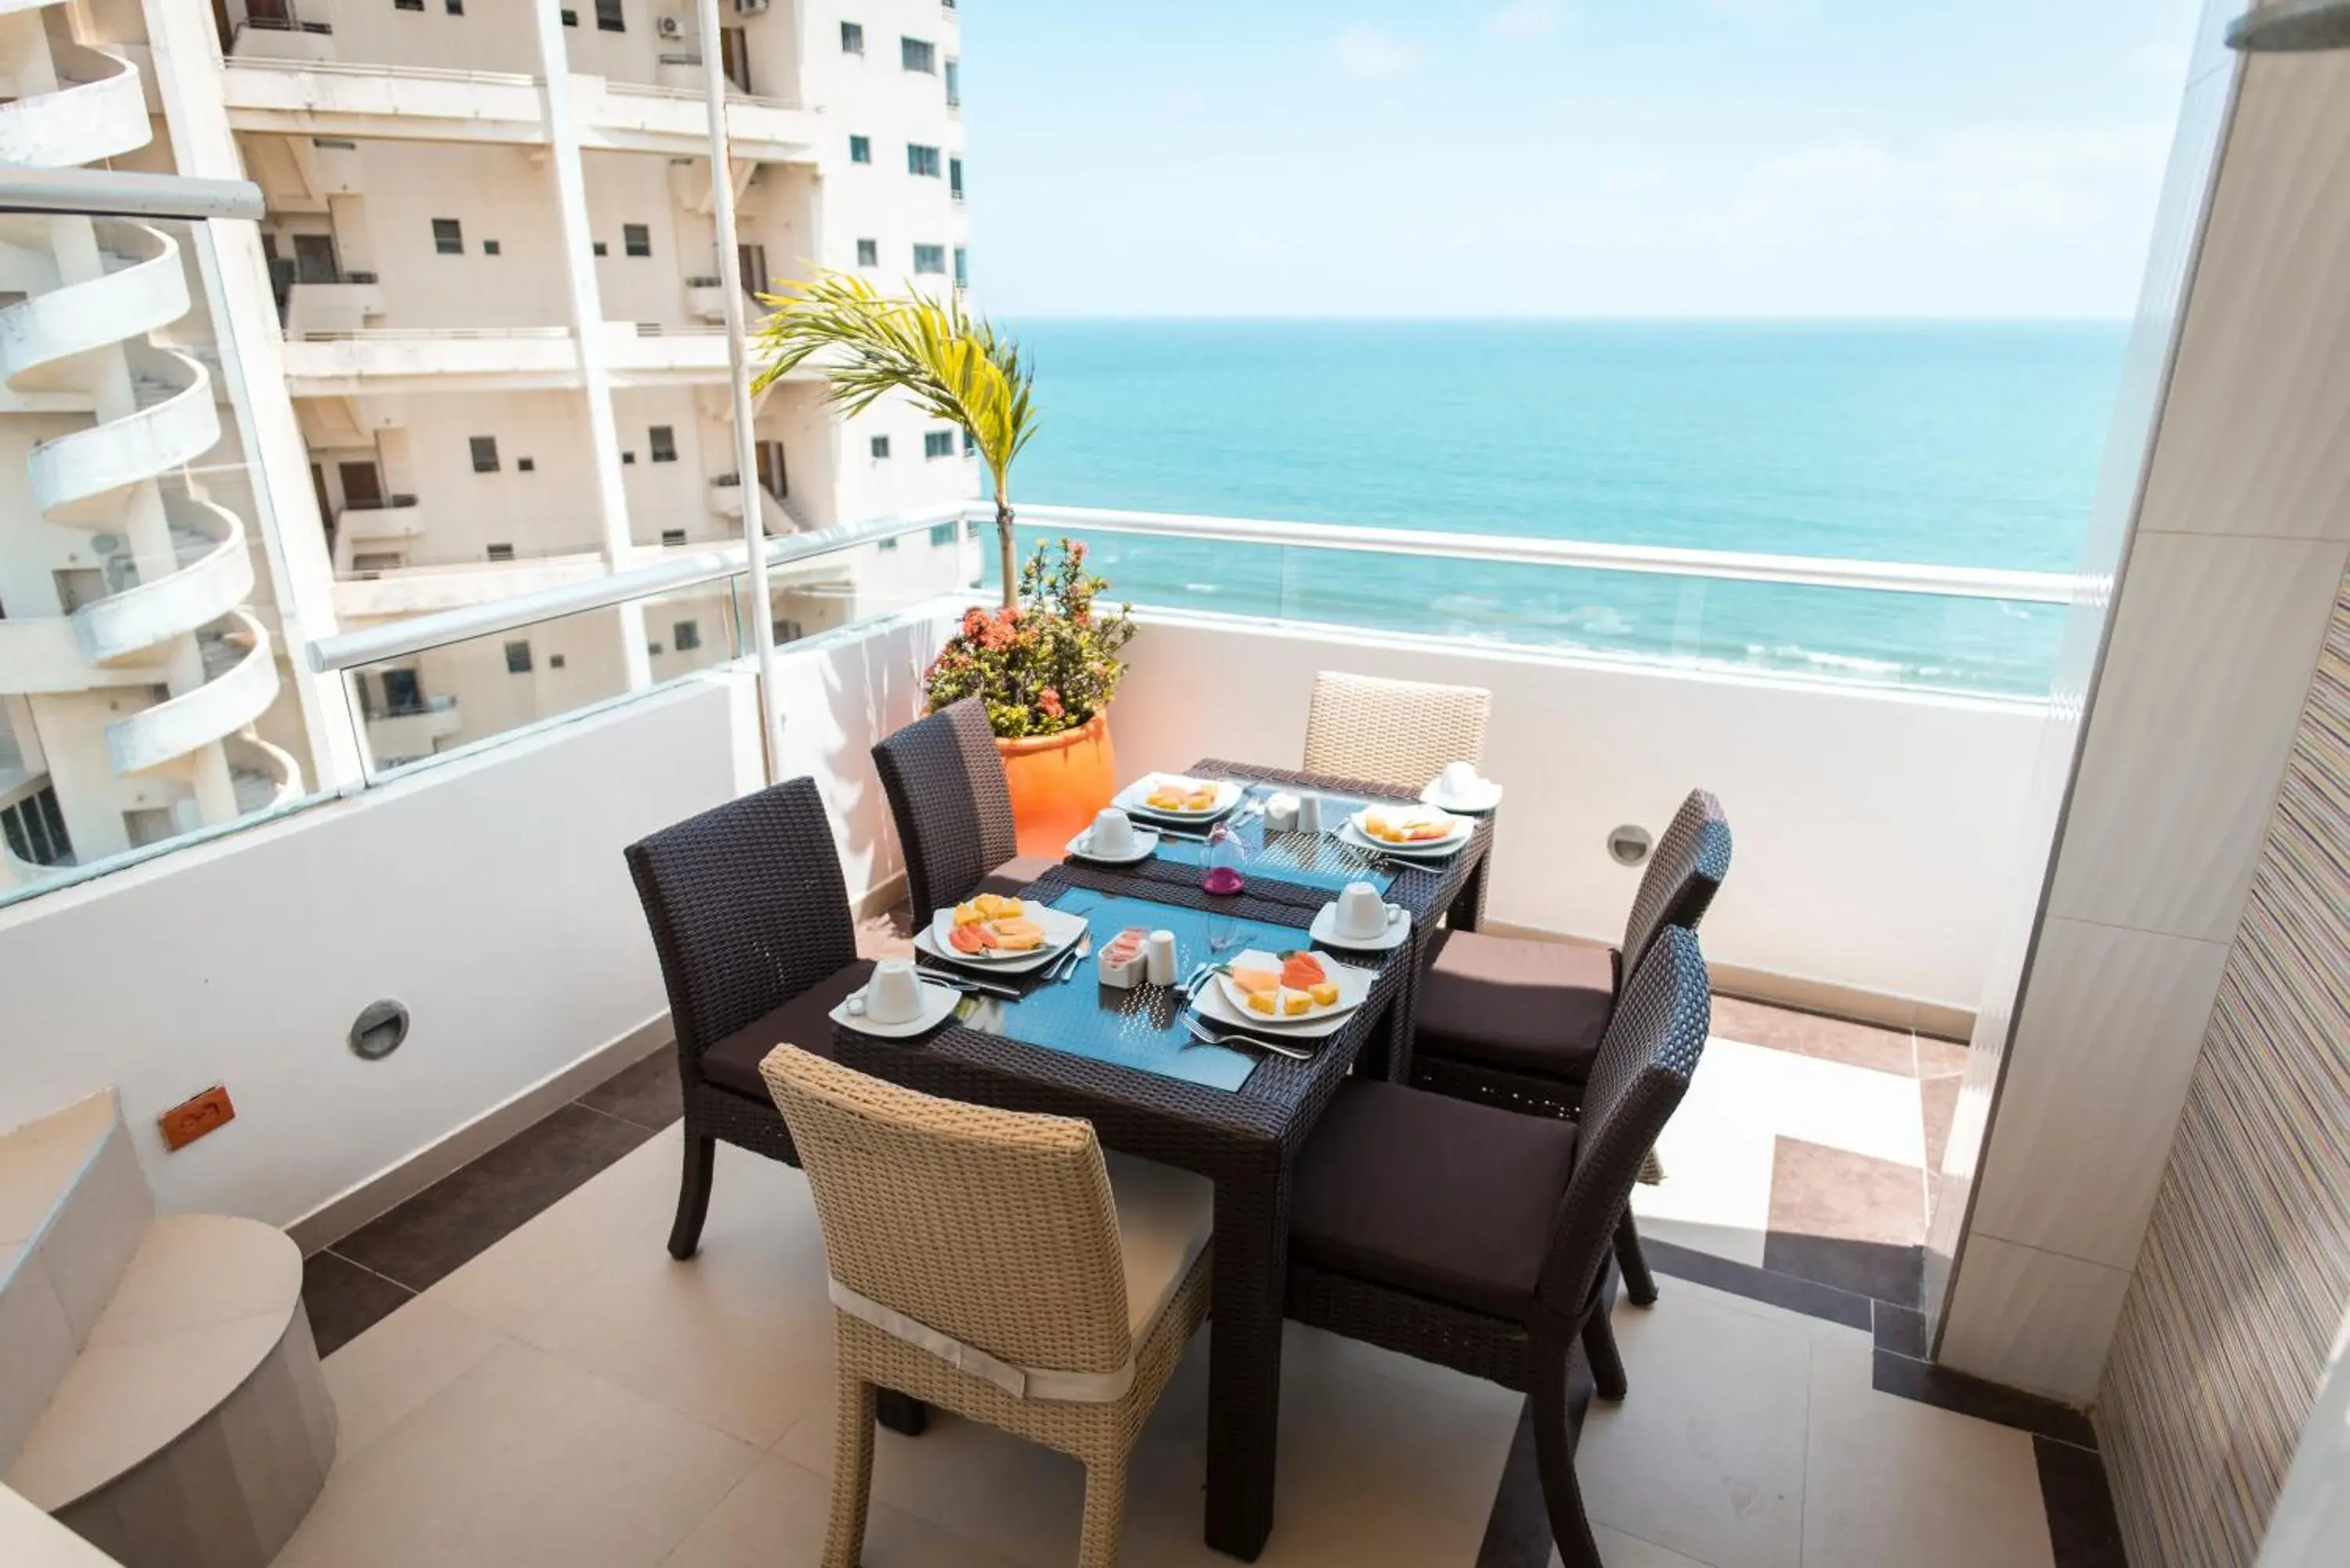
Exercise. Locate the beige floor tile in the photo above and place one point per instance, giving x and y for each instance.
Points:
(548, 1259)
(1891, 1480)
(775, 1518)
(1706, 1458)
(395, 1367)
(522, 1459)
(1618, 1550)
(738, 1337)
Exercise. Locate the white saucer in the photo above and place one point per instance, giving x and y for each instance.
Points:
(1324, 930)
(1476, 803)
(937, 1006)
(1146, 844)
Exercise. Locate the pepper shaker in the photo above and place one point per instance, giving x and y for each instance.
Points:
(1159, 958)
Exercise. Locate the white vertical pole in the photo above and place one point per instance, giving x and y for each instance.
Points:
(738, 356)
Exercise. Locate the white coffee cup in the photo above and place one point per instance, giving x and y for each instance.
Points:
(1309, 814)
(1362, 914)
(1112, 833)
(1459, 779)
(893, 995)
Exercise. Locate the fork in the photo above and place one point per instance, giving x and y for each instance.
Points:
(1231, 1037)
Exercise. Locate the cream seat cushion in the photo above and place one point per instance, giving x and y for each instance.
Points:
(1165, 1219)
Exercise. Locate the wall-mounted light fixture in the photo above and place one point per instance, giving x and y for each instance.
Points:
(2293, 28)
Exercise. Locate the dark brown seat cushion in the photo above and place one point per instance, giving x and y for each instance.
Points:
(733, 1063)
(1443, 1198)
(1528, 1006)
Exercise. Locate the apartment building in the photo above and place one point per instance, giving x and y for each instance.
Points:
(481, 324)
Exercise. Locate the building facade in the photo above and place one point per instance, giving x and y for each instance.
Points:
(480, 331)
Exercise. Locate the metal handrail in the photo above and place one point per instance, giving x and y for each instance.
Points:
(398, 639)
(1816, 571)
(365, 69)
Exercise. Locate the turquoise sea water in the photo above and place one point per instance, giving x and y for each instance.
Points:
(1960, 444)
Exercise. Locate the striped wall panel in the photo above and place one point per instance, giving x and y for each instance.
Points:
(2244, 1277)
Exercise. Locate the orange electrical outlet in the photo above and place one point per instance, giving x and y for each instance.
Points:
(186, 1122)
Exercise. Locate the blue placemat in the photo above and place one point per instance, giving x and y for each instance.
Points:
(1302, 859)
(1142, 1028)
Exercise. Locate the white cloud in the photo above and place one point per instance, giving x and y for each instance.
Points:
(1524, 20)
(2165, 59)
(1370, 54)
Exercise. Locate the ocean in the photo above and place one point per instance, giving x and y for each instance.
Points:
(1953, 444)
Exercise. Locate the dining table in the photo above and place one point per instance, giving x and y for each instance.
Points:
(1124, 1061)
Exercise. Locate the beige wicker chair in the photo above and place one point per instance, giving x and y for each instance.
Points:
(1397, 732)
(995, 1264)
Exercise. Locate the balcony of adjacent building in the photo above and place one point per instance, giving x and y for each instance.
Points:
(513, 752)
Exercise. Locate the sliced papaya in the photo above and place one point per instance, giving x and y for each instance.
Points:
(1302, 971)
(968, 939)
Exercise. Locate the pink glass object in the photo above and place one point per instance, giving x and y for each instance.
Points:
(1225, 855)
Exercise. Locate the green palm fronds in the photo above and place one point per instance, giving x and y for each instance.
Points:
(953, 365)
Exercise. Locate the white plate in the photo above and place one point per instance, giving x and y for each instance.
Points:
(1325, 930)
(1354, 985)
(937, 1006)
(1060, 931)
(1426, 849)
(1146, 844)
(1131, 798)
(1484, 798)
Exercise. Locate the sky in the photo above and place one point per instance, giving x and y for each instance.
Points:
(1568, 158)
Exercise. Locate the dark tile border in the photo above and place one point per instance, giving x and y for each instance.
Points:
(2083, 1531)
(1901, 1330)
(2001, 1406)
(1796, 1294)
(355, 1283)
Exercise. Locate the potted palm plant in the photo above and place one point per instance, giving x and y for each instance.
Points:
(1046, 661)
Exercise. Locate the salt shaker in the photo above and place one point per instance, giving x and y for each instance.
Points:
(1309, 814)
(1159, 958)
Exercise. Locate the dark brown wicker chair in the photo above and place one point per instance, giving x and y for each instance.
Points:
(1477, 1238)
(750, 916)
(954, 810)
(1516, 1023)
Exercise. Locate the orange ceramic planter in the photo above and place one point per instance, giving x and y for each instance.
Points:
(1058, 783)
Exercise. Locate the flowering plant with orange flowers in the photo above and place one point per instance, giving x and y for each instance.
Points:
(1045, 664)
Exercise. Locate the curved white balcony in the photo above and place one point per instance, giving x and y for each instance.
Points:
(39, 337)
(75, 475)
(266, 776)
(201, 592)
(219, 708)
(99, 112)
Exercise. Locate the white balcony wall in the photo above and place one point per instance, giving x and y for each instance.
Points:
(626, 188)
(1867, 821)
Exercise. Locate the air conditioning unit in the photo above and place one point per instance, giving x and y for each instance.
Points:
(750, 7)
(670, 27)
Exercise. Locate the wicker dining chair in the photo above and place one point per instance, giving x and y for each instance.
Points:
(1477, 1238)
(954, 810)
(996, 1263)
(1401, 734)
(750, 917)
(1517, 1024)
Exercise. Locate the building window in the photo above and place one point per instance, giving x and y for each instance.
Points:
(954, 84)
(626, 458)
(888, 544)
(448, 238)
(554, 661)
(938, 443)
(600, 249)
(672, 537)
(921, 159)
(954, 178)
(491, 248)
(500, 551)
(608, 18)
(943, 532)
(685, 636)
(860, 150)
(637, 239)
(929, 258)
(663, 439)
(518, 657)
(525, 466)
(880, 447)
(485, 454)
(970, 445)
(962, 267)
(918, 56)
(456, 7)
(869, 252)
(407, 5)
(570, 17)
(852, 38)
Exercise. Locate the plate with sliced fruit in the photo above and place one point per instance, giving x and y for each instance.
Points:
(1409, 830)
(990, 931)
(1176, 797)
(1300, 992)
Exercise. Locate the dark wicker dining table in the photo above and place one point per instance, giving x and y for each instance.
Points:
(1245, 1139)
